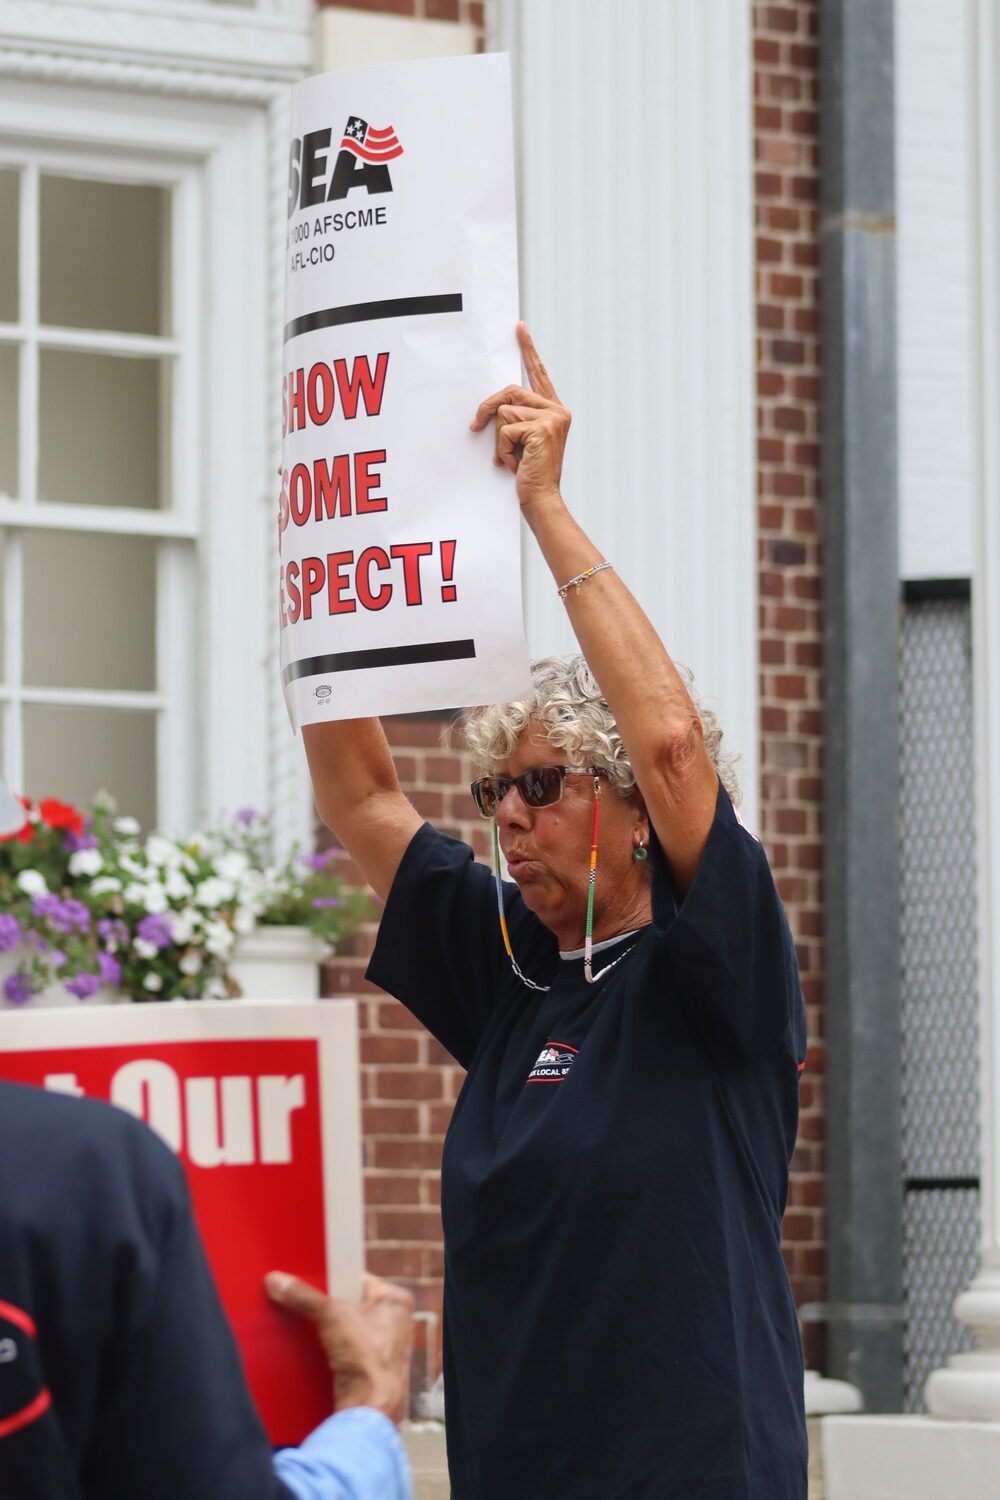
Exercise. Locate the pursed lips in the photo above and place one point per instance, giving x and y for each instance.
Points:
(517, 861)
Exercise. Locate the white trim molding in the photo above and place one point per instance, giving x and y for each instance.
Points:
(274, 44)
(134, 76)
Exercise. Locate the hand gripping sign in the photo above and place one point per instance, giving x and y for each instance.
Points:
(400, 582)
(260, 1102)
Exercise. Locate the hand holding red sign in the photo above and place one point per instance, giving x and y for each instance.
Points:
(367, 1348)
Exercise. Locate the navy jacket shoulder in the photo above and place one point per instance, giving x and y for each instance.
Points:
(121, 1375)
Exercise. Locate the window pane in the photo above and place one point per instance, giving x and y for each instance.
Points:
(9, 223)
(72, 753)
(104, 255)
(8, 419)
(101, 418)
(89, 611)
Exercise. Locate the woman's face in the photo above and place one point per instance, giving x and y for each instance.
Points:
(547, 849)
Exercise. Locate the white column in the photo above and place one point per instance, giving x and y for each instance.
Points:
(635, 175)
(969, 1386)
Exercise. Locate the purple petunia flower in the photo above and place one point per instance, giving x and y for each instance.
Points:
(111, 969)
(247, 815)
(10, 932)
(318, 861)
(83, 985)
(74, 842)
(326, 901)
(156, 930)
(64, 916)
(112, 930)
(18, 988)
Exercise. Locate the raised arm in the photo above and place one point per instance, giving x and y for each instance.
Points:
(358, 795)
(658, 722)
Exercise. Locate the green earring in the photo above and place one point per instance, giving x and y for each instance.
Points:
(639, 853)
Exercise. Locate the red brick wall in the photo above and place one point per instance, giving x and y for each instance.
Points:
(408, 1082)
(791, 685)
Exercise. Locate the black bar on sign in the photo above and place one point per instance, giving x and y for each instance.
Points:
(380, 656)
(368, 312)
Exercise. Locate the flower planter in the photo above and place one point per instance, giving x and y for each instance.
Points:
(159, 918)
(278, 964)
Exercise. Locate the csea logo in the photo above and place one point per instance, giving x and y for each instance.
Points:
(362, 162)
(553, 1063)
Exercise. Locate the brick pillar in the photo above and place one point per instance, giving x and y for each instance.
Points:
(786, 139)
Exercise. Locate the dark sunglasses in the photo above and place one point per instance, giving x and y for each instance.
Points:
(539, 786)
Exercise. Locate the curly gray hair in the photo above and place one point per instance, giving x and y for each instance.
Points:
(571, 710)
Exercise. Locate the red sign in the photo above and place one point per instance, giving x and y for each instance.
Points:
(246, 1116)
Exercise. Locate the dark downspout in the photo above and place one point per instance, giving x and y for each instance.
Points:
(861, 591)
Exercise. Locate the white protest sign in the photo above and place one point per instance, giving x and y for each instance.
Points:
(400, 541)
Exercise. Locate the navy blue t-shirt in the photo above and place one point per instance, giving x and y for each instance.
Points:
(618, 1320)
(119, 1376)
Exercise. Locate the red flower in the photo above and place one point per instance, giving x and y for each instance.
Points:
(26, 833)
(23, 836)
(61, 815)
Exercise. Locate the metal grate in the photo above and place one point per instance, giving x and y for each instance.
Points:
(940, 1256)
(940, 1121)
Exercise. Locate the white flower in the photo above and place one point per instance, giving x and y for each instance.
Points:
(160, 851)
(232, 865)
(86, 862)
(214, 892)
(215, 990)
(103, 884)
(129, 827)
(156, 900)
(219, 939)
(32, 883)
(183, 924)
(177, 886)
(152, 982)
(245, 919)
(145, 949)
(132, 866)
(152, 898)
(191, 963)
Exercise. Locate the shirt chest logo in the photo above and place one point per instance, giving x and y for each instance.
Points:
(553, 1063)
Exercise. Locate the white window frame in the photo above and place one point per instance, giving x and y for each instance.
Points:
(215, 653)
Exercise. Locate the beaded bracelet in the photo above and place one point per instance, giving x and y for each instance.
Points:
(581, 578)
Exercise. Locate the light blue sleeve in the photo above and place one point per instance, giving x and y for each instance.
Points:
(354, 1455)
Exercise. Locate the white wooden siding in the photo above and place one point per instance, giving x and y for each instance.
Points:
(635, 177)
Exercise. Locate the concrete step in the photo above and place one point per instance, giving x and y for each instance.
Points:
(424, 1443)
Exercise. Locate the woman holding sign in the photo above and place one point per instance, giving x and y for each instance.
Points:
(618, 1321)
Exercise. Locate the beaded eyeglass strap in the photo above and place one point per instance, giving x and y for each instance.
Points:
(503, 916)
